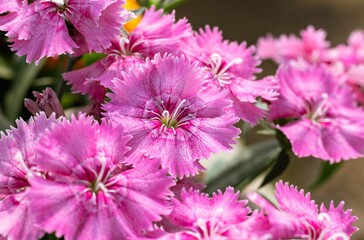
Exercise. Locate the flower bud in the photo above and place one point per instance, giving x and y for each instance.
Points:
(46, 101)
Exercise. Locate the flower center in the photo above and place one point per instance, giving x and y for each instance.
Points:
(208, 229)
(317, 110)
(168, 120)
(172, 119)
(125, 47)
(100, 177)
(219, 68)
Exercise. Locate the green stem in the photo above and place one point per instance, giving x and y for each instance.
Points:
(61, 87)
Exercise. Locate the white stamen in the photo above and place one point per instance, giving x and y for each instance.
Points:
(171, 120)
(215, 63)
(176, 113)
(19, 158)
(124, 43)
(59, 3)
(322, 107)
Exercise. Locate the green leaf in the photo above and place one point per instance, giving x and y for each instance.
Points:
(169, 5)
(52, 236)
(327, 170)
(144, 3)
(283, 140)
(280, 165)
(266, 132)
(89, 59)
(255, 160)
(24, 77)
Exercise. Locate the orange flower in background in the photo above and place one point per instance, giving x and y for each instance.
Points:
(132, 5)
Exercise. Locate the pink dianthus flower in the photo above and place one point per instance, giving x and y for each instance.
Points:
(92, 192)
(17, 162)
(200, 217)
(297, 216)
(324, 120)
(40, 28)
(156, 33)
(232, 67)
(310, 46)
(172, 114)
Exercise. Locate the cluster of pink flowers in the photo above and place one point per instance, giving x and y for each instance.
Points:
(320, 93)
(168, 97)
(73, 177)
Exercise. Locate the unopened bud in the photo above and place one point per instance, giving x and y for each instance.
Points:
(46, 101)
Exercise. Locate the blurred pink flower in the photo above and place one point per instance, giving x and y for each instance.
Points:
(324, 120)
(172, 114)
(92, 193)
(310, 46)
(297, 216)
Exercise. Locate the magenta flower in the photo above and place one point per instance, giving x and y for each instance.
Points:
(202, 217)
(298, 216)
(91, 192)
(156, 33)
(172, 114)
(325, 121)
(17, 163)
(311, 46)
(232, 66)
(40, 28)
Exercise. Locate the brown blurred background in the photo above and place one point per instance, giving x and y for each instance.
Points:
(247, 21)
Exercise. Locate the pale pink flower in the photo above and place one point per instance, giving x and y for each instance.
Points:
(350, 58)
(232, 67)
(172, 114)
(92, 193)
(40, 29)
(156, 33)
(202, 217)
(297, 216)
(310, 46)
(324, 120)
(17, 162)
